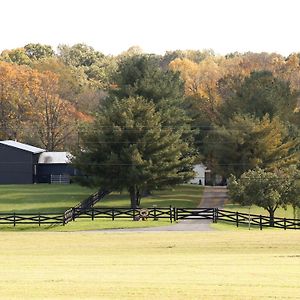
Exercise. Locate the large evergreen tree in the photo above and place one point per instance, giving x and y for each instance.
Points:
(127, 147)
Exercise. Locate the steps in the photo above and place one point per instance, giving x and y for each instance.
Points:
(74, 212)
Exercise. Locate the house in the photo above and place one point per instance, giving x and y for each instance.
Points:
(18, 162)
(55, 167)
(200, 171)
(204, 176)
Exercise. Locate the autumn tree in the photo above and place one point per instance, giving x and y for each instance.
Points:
(201, 81)
(246, 142)
(54, 119)
(14, 96)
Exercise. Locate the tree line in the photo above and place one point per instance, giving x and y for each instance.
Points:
(144, 120)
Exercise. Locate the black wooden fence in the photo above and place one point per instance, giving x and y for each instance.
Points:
(154, 213)
(30, 218)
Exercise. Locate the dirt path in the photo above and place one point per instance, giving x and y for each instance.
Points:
(212, 197)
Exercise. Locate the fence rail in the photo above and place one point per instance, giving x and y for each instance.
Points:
(154, 213)
(29, 218)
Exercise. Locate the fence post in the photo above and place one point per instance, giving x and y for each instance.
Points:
(154, 213)
(174, 214)
(73, 213)
(260, 222)
(284, 223)
(39, 219)
(216, 214)
(14, 219)
(171, 217)
(237, 219)
(64, 219)
(133, 215)
(113, 214)
(93, 213)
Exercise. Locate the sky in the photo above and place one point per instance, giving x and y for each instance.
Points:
(112, 26)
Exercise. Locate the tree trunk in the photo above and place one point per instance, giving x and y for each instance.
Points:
(271, 213)
(133, 196)
(138, 197)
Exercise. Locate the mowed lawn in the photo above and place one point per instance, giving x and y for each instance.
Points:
(45, 198)
(36, 198)
(57, 198)
(173, 265)
(179, 196)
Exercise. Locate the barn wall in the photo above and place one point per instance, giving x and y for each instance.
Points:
(46, 170)
(16, 165)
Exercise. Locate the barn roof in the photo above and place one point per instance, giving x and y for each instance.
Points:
(55, 158)
(22, 146)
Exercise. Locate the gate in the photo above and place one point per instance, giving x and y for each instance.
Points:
(195, 213)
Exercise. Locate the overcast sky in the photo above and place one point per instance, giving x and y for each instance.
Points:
(112, 26)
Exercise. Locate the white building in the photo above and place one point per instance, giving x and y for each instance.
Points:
(200, 171)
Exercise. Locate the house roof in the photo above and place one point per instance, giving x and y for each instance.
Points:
(22, 146)
(55, 158)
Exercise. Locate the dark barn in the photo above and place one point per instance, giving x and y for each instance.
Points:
(55, 167)
(18, 162)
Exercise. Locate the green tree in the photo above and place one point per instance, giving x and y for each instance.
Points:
(268, 190)
(127, 147)
(38, 51)
(141, 75)
(260, 94)
(246, 142)
(96, 66)
(79, 55)
(16, 56)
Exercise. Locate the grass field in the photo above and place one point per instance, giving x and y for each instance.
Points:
(58, 198)
(179, 196)
(214, 265)
(35, 198)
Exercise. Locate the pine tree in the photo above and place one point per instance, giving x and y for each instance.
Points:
(128, 147)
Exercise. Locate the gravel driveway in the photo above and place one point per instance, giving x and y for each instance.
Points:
(212, 197)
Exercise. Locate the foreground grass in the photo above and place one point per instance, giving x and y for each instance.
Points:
(215, 265)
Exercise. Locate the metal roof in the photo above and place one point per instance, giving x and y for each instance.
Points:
(55, 158)
(22, 146)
